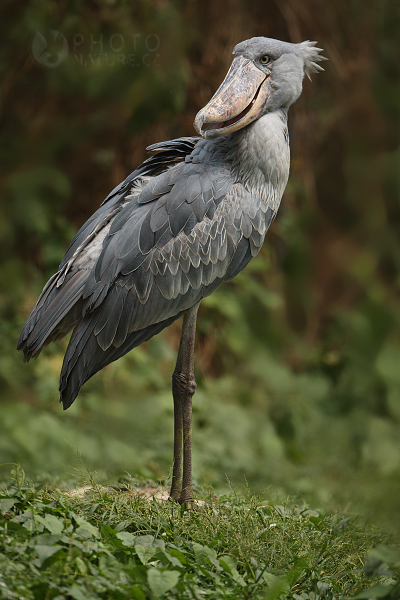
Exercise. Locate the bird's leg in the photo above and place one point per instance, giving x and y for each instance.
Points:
(176, 487)
(183, 388)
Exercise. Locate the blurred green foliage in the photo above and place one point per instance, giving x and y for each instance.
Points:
(297, 358)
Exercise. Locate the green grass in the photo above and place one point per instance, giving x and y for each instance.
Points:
(114, 544)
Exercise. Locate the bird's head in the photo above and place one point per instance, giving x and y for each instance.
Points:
(265, 75)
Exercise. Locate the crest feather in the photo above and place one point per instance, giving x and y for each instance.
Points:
(310, 54)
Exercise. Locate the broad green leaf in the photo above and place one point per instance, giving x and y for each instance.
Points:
(214, 563)
(161, 581)
(6, 504)
(148, 541)
(177, 554)
(128, 539)
(228, 563)
(110, 567)
(208, 573)
(172, 559)
(44, 552)
(33, 525)
(16, 527)
(202, 552)
(77, 592)
(84, 525)
(81, 565)
(276, 586)
(145, 540)
(47, 539)
(144, 554)
(53, 524)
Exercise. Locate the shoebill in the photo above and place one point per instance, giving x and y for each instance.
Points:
(189, 218)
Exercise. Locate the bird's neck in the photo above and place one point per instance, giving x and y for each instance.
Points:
(259, 154)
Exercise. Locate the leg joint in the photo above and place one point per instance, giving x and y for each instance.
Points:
(185, 384)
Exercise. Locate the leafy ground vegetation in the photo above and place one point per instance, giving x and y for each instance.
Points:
(114, 544)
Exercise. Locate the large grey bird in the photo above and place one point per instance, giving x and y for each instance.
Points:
(190, 217)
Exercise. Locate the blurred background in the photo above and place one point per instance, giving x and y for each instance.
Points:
(298, 358)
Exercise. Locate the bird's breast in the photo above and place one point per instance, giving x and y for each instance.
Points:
(269, 145)
(261, 157)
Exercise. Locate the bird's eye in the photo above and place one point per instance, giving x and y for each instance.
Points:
(264, 60)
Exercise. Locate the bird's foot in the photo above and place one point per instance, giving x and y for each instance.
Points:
(183, 498)
(188, 504)
(186, 498)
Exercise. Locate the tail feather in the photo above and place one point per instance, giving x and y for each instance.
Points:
(84, 356)
(42, 303)
(54, 315)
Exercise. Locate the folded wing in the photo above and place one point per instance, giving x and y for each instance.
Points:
(163, 240)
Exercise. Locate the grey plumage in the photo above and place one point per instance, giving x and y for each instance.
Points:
(190, 217)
